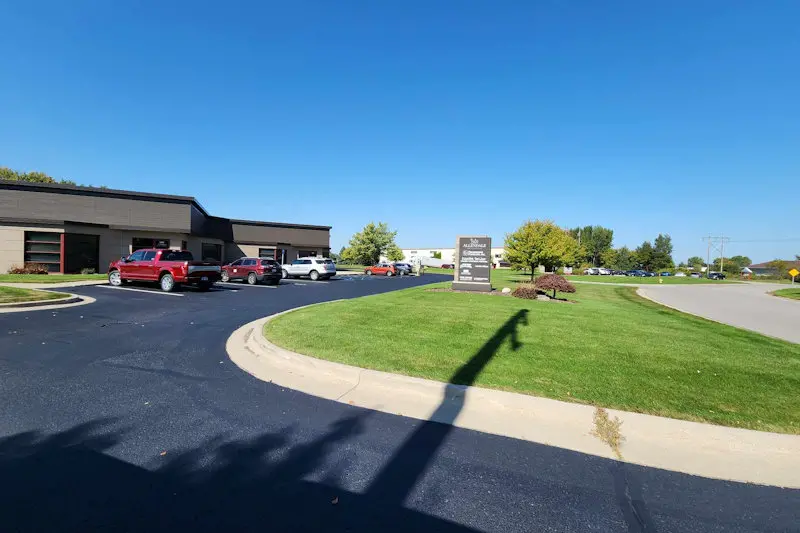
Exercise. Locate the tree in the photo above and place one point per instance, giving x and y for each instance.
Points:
(540, 242)
(644, 255)
(696, 262)
(368, 245)
(594, 242)
(732, 265)
(394, 253)
(437, 255)
(554, 282)
(780, 266)
(34, 177)
(620, 259)
(662, 253)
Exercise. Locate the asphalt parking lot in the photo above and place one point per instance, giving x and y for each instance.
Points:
(127, 415)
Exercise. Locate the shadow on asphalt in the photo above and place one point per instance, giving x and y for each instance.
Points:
(66, 481)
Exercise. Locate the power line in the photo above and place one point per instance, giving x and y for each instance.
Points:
(791, 239)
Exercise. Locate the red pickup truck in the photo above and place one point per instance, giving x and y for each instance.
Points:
(168, 268)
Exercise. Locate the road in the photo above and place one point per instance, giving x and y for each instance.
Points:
(127, 415)
(744, 305)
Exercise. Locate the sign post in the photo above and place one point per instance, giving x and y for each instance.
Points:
(794, 272)
(473, 264)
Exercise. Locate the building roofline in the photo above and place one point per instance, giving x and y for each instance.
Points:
(275, 224)
(135, 195)
(62, 188)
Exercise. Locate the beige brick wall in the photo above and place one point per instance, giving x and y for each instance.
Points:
(12, 244)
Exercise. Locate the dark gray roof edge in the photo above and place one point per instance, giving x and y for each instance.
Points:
(277, 224)
(135, 195)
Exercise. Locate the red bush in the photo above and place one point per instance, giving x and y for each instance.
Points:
(525, 290)
(553, 282)
(29, 268)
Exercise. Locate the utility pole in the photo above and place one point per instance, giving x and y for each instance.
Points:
(718, 244)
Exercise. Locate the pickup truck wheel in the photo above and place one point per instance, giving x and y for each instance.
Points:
(314, 275)
(252, 279)
(225, 277)
(167, 283)
(114, 278)
(284, 274)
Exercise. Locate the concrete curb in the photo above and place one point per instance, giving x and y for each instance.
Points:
(54, 285)
(677, 445)
(69, 300)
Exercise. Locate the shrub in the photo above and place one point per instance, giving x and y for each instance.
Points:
(553, 282)
(29, 268)
(85, 271)
(525, 290)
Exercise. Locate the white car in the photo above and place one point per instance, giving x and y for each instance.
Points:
(603, 271)
(311, 267)
(680, 274)
(592, 271)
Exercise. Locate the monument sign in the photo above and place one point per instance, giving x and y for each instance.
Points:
(473, 264)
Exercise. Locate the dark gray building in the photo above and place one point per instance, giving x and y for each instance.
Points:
(70, 228)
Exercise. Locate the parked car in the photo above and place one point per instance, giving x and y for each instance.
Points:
(680, 274)
(664, 274)
(169, 268)
(314, 268)
(636, 273)
(695, 275)
(617, 272)
(592, 271)
(716, 275)
(381, 269)
(403, 269)
(651, 274)
(253, 270)
(604, 271)
(448, 266)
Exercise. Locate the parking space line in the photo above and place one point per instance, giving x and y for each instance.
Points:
(162, 293)
(247, 285)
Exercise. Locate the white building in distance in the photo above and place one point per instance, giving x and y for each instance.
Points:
(448, 255)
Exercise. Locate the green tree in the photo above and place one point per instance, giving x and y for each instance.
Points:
(780, 266)
(662, 253)
(437, 255)
(540, 242)
(732, 265)
(644, 256)
(594, 242)
(368, 245)
(619, 259)
(34, 177)
(394, 253)
(696, 262)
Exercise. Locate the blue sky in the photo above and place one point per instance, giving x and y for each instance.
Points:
(439, 117)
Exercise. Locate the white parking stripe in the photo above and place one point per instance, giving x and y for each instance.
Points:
(139, 290)
(247, 285)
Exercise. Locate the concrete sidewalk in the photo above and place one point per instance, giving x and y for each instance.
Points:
(681, 446)
(60, 285)
(743, 305)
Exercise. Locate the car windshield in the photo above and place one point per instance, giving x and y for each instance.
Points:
(176, 255)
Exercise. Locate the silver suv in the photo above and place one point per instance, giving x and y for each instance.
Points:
(312, 267)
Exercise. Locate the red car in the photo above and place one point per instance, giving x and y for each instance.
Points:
(168, 268)
(254, 270)
(381, 269)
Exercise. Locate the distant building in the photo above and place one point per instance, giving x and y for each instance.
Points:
(448, 255)
(766, 269)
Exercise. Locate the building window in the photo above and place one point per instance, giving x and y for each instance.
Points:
(307, 253)
(138, 243)
(43, 248)
(211, 252)
(266, 253)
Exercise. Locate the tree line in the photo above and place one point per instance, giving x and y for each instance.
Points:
(542, 242)
(9, 174)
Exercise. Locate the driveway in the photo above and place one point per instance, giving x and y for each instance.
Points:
(744, 305)
(127, 415)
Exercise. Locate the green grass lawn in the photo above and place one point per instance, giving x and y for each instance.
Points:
(611, 349)
(15, 295)
(46, 278)
(504, 277)
(794, 294)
